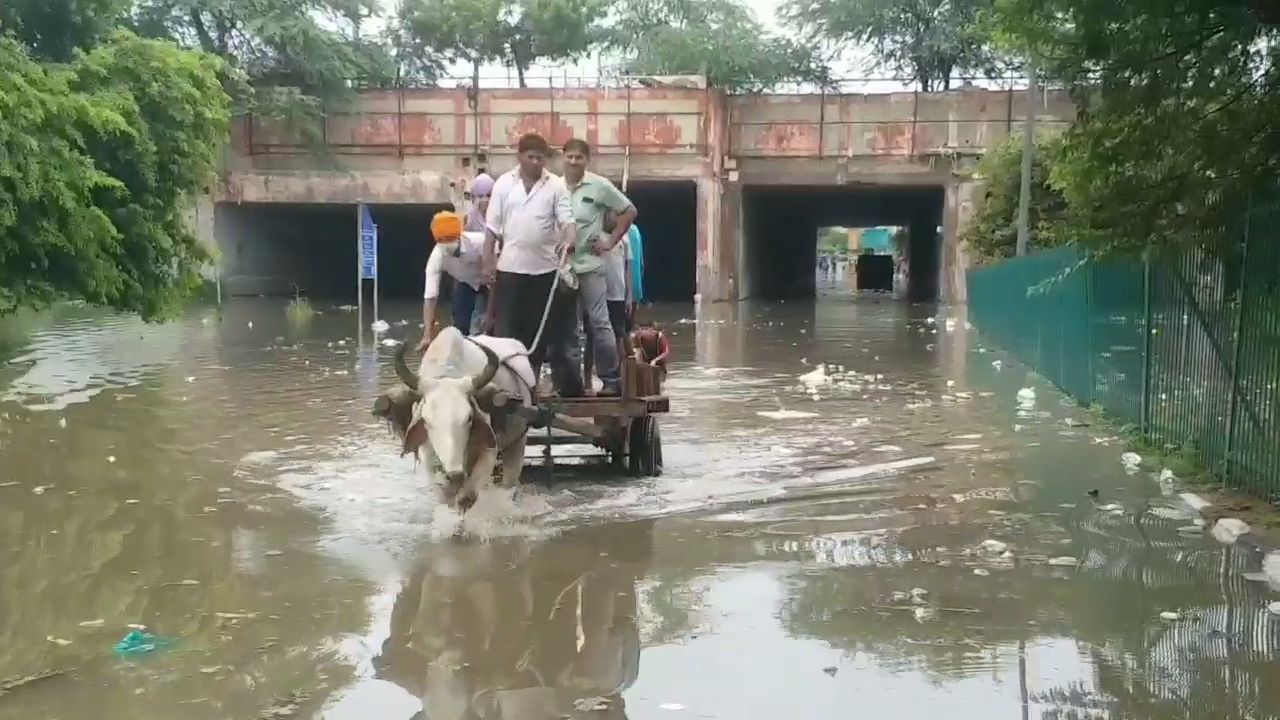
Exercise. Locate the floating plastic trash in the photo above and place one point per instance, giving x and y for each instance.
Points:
(141, 642)
(1229, 530)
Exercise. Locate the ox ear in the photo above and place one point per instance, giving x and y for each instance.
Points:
(414, 438)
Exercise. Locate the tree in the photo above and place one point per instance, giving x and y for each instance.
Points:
(719, 38)
(287, 56)
(97, 161)
(929, 41)
(55, 29)
(992, 234)
(833, 240)
(1179, 113)
(514, 32)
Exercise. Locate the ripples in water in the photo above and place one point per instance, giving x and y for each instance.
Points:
(770, 573)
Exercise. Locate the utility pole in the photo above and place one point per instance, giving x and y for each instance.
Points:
(1028, 158)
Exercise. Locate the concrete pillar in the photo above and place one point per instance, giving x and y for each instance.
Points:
(731, 239)
(959, 207)
(708, 236)
(969, 193)
(717, 257)
(200, 223)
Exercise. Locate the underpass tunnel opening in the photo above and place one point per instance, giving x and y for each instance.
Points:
(275, 249)
(668, 224)
(864, 259)
(782, 223)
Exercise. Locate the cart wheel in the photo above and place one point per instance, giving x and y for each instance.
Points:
(644, 451)
(657, 448)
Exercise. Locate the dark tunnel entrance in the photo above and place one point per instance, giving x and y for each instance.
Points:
(268, 249)
(668, 223)
(781, 223)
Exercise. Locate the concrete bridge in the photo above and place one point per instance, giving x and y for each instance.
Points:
(731, 188)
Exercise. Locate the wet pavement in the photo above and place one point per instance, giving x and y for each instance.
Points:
(815, 548)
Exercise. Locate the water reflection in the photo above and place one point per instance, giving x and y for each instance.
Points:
(518, 629)
(769, 573)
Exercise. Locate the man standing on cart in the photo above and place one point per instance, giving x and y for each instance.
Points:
(530, 214)
(593, 198)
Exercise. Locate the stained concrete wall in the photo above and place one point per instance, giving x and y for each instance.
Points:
(422, 146)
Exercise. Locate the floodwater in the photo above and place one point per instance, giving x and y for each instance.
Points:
(814, 549)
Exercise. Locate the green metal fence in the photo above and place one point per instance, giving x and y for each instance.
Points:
(1185, 349)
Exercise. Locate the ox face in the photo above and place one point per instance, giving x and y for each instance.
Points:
(449, 421)
(447, 418)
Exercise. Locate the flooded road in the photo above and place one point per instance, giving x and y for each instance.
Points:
(895, 536)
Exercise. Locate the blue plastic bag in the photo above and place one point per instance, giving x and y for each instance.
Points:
(139, 642)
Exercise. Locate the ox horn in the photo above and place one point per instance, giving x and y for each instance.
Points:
(407, 376)
(484, 377)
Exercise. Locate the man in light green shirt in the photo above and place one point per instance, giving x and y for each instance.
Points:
(592, 197)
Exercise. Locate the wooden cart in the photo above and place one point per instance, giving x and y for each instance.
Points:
(625, 428)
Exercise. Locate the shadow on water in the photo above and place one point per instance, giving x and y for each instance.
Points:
(815, 544)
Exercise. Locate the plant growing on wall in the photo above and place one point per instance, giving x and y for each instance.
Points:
(992, 233)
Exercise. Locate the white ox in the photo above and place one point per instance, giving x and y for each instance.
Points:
(447, 409)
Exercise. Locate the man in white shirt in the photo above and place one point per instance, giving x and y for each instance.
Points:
(458, 254)
(529, 210)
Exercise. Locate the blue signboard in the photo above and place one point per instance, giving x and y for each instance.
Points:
(368, 245)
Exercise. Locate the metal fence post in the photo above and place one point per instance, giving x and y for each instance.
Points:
(1145, 417)
(1238, 333)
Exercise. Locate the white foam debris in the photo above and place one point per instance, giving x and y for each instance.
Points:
(786, 414)
(1131, 461)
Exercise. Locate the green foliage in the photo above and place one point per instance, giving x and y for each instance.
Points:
(719, 38)
(1179, 114)
(284, 58)
(993, 232)
(930, 41)
(97, 161)
(514, 32)
(55, 29)
(833, 240)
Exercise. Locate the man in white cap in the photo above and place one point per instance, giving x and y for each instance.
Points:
(480, 190)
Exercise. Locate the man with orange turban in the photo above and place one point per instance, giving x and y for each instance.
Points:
(459, 255)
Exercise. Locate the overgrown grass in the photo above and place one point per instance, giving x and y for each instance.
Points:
(299, 310)
(1184, 461)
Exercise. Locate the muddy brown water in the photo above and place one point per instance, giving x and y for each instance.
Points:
(220, 480)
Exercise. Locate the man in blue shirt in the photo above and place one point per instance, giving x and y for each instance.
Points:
(637, 267)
